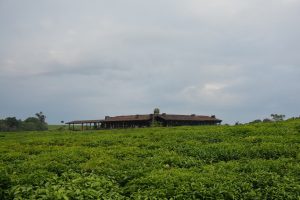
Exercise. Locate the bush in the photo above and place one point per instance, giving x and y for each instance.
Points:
(259, 161)
(33, 123)
(3, 126)
(255, 121)
(30, 124)
(5, 184)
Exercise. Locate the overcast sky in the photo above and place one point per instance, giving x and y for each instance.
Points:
(78, 59)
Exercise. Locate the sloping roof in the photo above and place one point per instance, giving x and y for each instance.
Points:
(163, 116)
(167, 117)
(129, 118)
(188, 117)
(85, 121)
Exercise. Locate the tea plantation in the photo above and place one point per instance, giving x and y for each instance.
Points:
(259, 161)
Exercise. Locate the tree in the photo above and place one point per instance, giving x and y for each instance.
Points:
(12, 123)
(277, 117)
(255, 121)
(30, 124)
(156, 111)
(41, 117)
(3, 125)
(267, 120)
(34, 123)
(155, 123)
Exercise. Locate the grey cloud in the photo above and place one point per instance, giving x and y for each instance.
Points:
(74, 59)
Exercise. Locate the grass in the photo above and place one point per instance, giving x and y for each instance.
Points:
(259, 161)
(52, 127)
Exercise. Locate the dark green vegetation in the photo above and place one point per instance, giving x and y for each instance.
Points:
(258, 161)
(36, 123)
(58, 127)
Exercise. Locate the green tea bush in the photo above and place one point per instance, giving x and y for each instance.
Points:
(5, 185)
(254, 161)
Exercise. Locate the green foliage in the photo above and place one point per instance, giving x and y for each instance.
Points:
(5, 185)
(267, 120)
(41, 117)
(33, 123)
(12, 122)
(156, 111)
(277, 117)
(3, 125)
(156, 123)
(30, 124)
(255, 121)
(254, 161)
(297, 128)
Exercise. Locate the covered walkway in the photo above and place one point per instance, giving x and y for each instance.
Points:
(85, 124)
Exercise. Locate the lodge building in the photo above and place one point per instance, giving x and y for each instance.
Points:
(137, 121)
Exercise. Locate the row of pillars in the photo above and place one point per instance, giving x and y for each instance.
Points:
(112, 125)
(85, 126)
(123, 125)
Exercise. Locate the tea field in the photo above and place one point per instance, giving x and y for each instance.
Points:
(259, 161)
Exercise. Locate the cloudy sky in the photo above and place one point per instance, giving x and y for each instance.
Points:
(78, 59)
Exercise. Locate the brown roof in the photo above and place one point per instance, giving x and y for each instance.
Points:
(163, 116)
(129, 118)
(167, 117)
(85, 121)
(188, 117)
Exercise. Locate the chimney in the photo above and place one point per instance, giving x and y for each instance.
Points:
(106, 117)
(213, 116)
(193, 115)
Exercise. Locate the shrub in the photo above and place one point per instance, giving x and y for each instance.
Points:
(5, 184)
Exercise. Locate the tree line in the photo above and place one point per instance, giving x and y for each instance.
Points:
(36, 123)
(272, 118)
